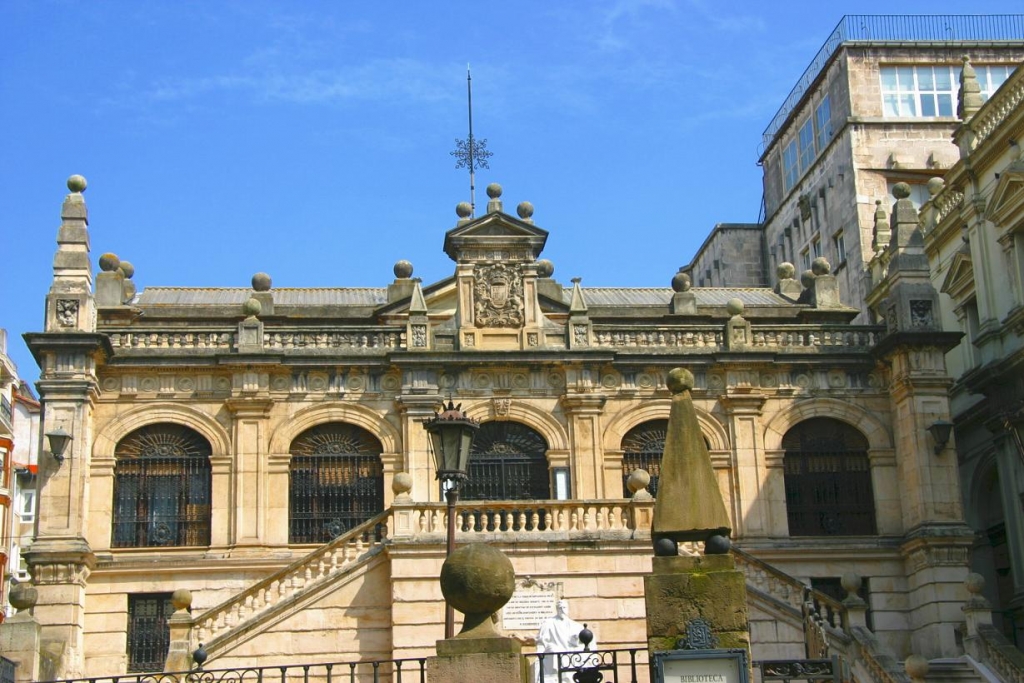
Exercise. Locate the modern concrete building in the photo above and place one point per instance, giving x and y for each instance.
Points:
(876, 106)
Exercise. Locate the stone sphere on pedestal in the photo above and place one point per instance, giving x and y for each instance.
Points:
(23, 596)
(477, 580)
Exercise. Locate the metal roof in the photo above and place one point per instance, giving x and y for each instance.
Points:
(661, 296)
(295, 296)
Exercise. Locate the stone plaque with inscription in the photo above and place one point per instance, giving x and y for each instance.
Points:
(531, 604)
(701, 666)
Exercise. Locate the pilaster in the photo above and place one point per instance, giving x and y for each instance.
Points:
(584, 413)
(417, 461)
(756, 483)
(249, 493)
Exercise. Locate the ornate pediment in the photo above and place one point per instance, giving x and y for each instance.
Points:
(495, 237)
(1007, 199)
(959, 281)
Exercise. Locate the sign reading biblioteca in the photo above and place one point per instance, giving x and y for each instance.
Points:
(701, 666)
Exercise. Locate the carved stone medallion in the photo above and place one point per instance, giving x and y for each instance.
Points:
(498, 296)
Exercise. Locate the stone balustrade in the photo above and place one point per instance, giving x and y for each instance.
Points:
(318, 566)
(780, 338)
(544, 520)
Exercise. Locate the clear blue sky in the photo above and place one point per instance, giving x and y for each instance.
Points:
(311, 139)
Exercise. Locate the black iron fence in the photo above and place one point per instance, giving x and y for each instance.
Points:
(612, 666)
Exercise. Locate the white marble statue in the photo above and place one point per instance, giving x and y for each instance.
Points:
(558, 634)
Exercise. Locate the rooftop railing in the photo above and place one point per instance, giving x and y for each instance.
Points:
(898, 28)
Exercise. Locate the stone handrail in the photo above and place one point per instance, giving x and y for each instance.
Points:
(540, 519)
(790, 590)
(318, 566)
(778, 337)
(881, 666)
(1000, 654)
(997, 109)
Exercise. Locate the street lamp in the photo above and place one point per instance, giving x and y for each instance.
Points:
(451, 438)
(58, 441)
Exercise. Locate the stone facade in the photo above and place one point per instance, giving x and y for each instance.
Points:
(973, 235)
(245, 379)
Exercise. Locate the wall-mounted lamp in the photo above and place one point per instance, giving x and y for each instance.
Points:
(59, 440)
(940, 431)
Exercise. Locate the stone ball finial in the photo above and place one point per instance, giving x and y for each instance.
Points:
(109, 262)
(252, 307)
(935, 186)
(22, 596)
(403, 269)
(463, 209)
(717, 544)
(901, 190)
(734, 306)
(916, 666)
(807, 279)
(181, 599)
(821, 266)
(494, 190)
(679, 380)
(77, 183)
(974, 583)
(681, 282)
(786, 270)
(127, 269)
(477, 580)
(525, 210)
(401, 483)
(851, 582)
(261, 282)
(638, 480)
(545, 268)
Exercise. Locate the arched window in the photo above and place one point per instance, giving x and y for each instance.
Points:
(828, 480)
(642, 448)
(336, 482)
(507, 462)
(162, 488)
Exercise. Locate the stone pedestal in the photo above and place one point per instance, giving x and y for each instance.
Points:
(471, 660)
(682, 590)
(19, 642)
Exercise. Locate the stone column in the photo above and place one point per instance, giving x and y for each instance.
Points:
(584, 413)
(249, 495)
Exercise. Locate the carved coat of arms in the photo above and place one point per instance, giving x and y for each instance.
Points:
(498, 296)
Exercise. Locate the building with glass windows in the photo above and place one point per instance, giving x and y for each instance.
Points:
(876, 106)
(262, 447)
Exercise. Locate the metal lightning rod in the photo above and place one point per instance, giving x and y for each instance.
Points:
(471, 153)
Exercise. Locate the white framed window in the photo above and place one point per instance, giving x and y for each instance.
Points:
(816, 247)
(805, 259)
(27, 505)
(931, 90)
(823, 122)
(806, 144)
(790, 168)
(839, 244)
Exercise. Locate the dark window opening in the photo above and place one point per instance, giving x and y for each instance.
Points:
(642, 448)
(162, 481)
(336, 482)
(828, 480)
(508, 461)
(149, 635)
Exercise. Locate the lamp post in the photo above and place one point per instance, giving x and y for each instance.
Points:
(451, 437)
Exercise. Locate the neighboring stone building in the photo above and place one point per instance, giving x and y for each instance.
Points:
(876, 106)
(733, 255)
(974, 239)
(263, 448)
